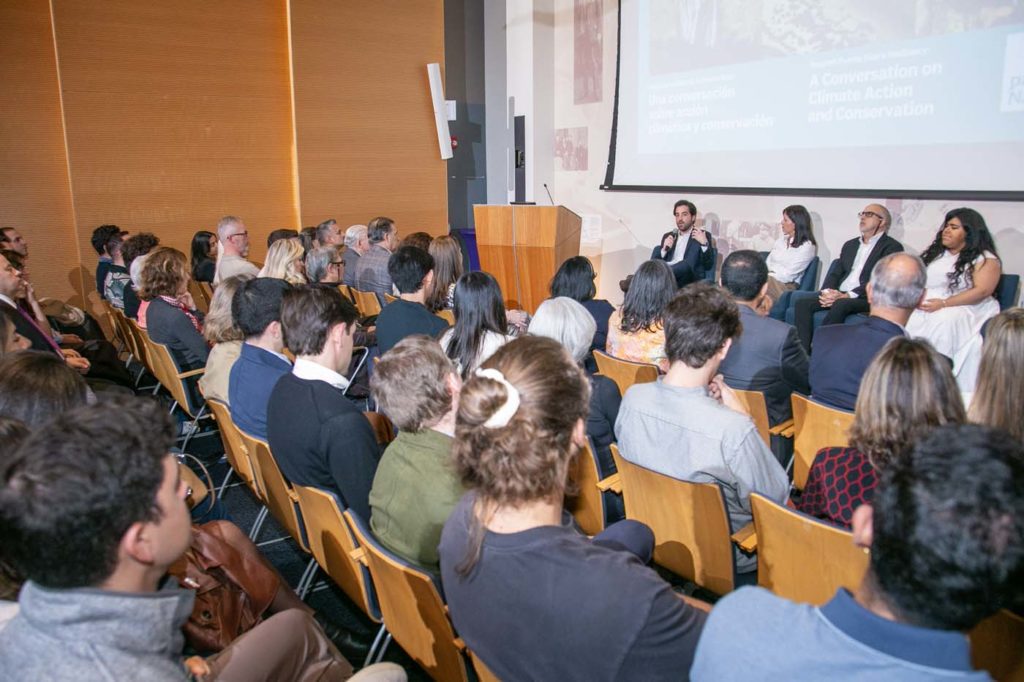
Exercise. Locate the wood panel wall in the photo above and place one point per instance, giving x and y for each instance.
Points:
(365, 134)
(175, 114)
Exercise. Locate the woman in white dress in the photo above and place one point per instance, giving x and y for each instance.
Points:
(963, 272)
(792, 252)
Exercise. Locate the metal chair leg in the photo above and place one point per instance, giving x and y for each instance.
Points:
(376, 643)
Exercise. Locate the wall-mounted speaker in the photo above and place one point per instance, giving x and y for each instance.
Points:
(444, 138)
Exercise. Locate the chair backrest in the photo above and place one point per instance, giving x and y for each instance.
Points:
(280, 498)
(388, 298)
(137, 334)
(801, 558)
(691, 527)
(624, 373)
(199, 296)
(757, 408)
(483, 673)
(815, 426)
(168, 374)
(332, 544)
(1006, 291)
(346, 291)
(367, 302)
(234, 446)
(997, 645)
(411, 605)
(809, 280)
(447, 315)
(587, 505)
(382, 427)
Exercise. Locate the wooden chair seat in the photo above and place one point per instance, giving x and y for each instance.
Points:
(367, 302)
(624, 372)
(815, 426)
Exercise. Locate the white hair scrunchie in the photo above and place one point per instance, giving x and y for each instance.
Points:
(504, 414)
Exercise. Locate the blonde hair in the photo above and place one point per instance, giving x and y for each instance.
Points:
(908, 389)
(285, 261)
(999, 392)
(219, 325)
(163, 274)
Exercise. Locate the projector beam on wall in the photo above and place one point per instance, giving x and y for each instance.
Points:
(444, 137)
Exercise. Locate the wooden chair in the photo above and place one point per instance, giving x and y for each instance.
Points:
(997, 645)
(346, 291)
(335, 550)
(587, 505)
(382, 427)
(388, 298)
(447, 315)
(483, 673)
(625, 373)
(176, 382)
(815, 426)
(689, 520)
(200, 295)
(237, 453)
(367, 302)
(757, 408)
(801, 558)
(414, 613)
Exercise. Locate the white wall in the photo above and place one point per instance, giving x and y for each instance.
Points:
(622, 227)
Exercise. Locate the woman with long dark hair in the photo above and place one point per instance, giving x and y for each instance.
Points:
(963, 273)
(575, 280)
(792, 252)
(635, 330)
(204, 256)
(447, 270)
(480, 322)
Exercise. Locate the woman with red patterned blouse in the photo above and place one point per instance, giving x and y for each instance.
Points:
(907, 390)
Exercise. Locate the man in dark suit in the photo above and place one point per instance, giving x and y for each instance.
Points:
(687, 248)
(842, 292)
(842, 353)
(767, 355)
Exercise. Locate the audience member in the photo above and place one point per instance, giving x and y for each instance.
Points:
(480, 322)
(998, 398)
(325, 264)
(172, 318)
(316, 434)
(117, 274)
(767, 355)
(10, 340)
(36, 386)
(791, 253)
(234, 247)
(416, 488)
(411, 270)
(448, 268)
(689, 424)
(307, 237)
(636, 331)
(421, 240)
(285, 261)
(281, 233)
(256, 310)
(11, 239)
(575, 279)
(688, 248)
(944, 533)
(513, 565)
(963, 273)
(97, 604)
(907, 390)
(204, 256)
(371, 271)
(842, 353)
(225, 339)
(356, 244)
(329, 234)
(134, 252)
(100, 236)
(842, 291)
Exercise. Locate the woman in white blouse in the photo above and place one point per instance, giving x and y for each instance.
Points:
(792, 252)
(963, 273)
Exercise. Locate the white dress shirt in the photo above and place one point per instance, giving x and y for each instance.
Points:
(682, 239)
(787, 264)
(311, 371)
(852, 280)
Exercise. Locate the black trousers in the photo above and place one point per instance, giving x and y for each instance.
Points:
(804, 308)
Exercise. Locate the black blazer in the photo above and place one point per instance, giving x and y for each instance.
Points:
(836, 275)
(699, 260)
(26, 329)
(842, 353)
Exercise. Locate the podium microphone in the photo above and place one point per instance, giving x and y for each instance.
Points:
(549, 194)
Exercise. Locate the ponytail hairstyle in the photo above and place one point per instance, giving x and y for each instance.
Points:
(514, 429)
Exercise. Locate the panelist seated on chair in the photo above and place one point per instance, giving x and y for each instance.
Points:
(842, 292)
(530, 595)
(791, 253)
(688, 424)
(842, 353)
(944, 533)
(317, 436)
(687, 249)
(767, 355)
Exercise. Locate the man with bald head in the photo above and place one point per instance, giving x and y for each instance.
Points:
(842, 292)
(234, 247)
(842, 353)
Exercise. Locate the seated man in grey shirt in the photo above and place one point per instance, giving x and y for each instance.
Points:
(689, 424)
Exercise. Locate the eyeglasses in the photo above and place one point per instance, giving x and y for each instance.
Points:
(238, 234)
(337, 262)
(869, 214)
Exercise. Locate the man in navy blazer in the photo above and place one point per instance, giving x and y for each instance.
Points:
(256, 308)
(687, 248)
(843, 352)
(842, 292)
(767, 355)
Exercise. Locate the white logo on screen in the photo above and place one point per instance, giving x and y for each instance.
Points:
(1013, 74)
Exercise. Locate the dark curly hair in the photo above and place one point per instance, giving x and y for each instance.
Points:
(979, 240)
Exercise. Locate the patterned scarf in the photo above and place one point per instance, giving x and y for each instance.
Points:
(175, 303)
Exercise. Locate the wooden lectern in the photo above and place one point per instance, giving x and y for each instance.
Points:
(523, 247)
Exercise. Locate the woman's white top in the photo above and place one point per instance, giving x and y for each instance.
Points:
(492, 341)
(787, 264)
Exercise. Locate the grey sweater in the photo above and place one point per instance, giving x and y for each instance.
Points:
(90, 634)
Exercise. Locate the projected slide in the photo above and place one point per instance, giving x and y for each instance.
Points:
(918, 95)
